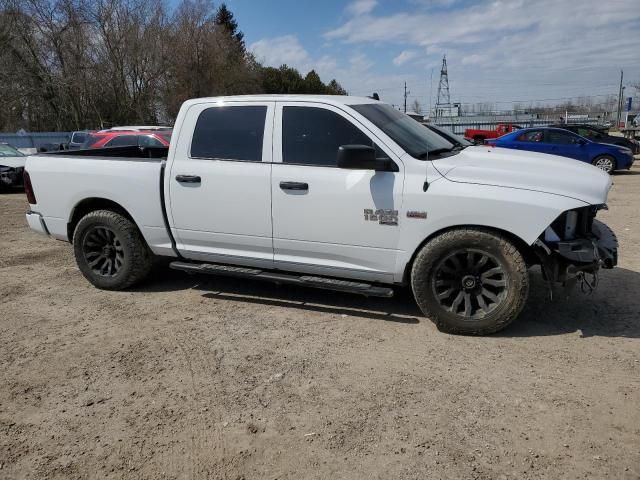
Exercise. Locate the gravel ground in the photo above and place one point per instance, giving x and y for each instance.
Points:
(192, 377)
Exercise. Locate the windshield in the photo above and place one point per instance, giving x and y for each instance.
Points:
(9, 151)
(414, 138)
(450, 136)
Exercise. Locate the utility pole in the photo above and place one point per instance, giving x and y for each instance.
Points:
(619, 100)
(405, 97)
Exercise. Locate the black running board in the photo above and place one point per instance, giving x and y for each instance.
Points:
(285, 278)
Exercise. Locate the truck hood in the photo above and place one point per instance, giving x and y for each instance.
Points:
(13, 162)
(538, 172)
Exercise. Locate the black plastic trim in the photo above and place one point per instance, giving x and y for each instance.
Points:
(163, 207)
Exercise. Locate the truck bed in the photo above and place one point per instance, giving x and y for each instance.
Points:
(132, 177)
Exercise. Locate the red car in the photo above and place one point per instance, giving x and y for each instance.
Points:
(479, 136)
(127, 138)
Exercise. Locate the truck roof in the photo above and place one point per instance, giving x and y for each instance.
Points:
(330, 99)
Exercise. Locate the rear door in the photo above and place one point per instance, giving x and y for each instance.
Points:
(219, 185)
(329, 220)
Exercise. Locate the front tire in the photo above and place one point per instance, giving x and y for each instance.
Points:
(110, 250)
(606, 163)
(470, 281)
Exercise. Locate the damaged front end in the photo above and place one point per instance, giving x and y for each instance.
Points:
(10, 176)
(574, 248)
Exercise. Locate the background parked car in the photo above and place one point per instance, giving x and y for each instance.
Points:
(77, 139)
(11, 166)
(556, 141)
(127, 138)
(598, 135)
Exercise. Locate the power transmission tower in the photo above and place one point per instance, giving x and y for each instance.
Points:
(443, 101)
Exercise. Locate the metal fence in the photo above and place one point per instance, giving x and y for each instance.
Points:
(457, 126)
(31, 141)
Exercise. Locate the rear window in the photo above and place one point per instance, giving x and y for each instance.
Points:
(166, 135)
(230, 133)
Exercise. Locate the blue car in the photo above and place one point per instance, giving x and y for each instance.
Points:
(556, 141)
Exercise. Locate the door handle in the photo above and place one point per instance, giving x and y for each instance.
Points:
(188, 178)
(294, 186)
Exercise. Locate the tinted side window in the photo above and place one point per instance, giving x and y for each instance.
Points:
(311, 136)
(231, 133)
(122, 141)
(79, 137)
(530, 136)
(560, 138)
(149, 141)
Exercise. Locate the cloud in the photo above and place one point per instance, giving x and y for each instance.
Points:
(515, 49)
(287, 49)
(276, 51)
(361, 7)
(474, 59)
(404, 57)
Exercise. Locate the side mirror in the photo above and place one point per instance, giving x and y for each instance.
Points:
(581, 142)
(360, 157)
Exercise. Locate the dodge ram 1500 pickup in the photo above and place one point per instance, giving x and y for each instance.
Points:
(332, 192)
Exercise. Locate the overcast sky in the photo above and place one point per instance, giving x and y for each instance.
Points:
(499, 51)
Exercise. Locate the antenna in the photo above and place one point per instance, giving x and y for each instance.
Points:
(443, 102)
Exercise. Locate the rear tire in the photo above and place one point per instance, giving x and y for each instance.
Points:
(478, 140)
(606, 163)
(110, 250)
(470, 281)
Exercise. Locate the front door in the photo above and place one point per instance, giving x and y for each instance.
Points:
(328, 220)
(219, 185)
(565, 144)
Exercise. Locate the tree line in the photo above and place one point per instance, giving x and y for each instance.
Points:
(76, 64)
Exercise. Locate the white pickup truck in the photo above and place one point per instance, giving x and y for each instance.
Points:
(332, 192)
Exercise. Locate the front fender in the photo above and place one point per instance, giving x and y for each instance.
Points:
(523, 213)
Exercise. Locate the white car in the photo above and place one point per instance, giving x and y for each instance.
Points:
(12, 164)
(334, 192)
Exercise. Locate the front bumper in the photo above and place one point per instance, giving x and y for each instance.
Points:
(566, 261)
(600, 249)
(36, 222)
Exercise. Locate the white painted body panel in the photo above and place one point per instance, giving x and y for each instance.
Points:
(323, 230)
(62, 182)
(227, 217)
(239, 215)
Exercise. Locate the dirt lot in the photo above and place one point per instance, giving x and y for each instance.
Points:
(190, 377)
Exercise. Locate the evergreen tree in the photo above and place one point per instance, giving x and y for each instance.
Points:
(224, 17)
(334, 88)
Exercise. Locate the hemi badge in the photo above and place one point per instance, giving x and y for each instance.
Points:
(415, 214)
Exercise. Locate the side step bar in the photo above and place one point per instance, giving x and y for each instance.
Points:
(326, 283)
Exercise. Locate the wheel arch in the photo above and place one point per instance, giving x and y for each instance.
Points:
(525, 249)
(92, 204)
